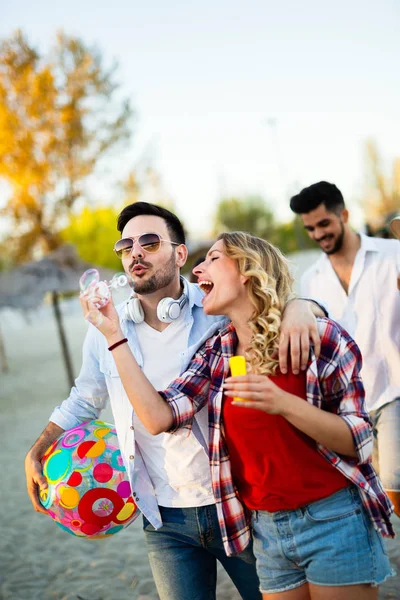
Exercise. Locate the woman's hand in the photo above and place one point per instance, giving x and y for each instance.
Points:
(259, 392)
(105, 319)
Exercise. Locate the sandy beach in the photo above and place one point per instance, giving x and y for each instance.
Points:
(38, 560)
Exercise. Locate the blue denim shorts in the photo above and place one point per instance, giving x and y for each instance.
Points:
(329, 542)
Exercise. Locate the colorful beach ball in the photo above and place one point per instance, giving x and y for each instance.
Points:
(89, 493)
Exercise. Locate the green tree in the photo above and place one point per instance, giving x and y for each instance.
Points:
(58, 118)
(253, 215)
(292, 237)
(93, 232)
(249, 214)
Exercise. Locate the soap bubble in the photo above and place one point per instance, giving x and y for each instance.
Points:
(89, 277)
(91, 286)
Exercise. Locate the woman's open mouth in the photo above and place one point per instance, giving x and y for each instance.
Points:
(206, 287)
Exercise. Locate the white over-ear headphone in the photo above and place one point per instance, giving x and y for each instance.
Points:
(168, 309)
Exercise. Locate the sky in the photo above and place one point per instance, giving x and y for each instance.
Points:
(241, 98)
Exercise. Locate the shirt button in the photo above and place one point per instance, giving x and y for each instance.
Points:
(134, 494)
(137, 499)
(131, 427)
(131, 457)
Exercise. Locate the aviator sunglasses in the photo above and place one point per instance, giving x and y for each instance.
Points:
(149, 242)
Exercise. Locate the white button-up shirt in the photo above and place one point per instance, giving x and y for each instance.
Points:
(99, 381)
(370, 312)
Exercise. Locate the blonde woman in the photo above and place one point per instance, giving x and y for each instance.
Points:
(288, 454)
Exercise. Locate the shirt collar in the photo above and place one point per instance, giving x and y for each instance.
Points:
(229, 340)
(368, 244)
(193, 292)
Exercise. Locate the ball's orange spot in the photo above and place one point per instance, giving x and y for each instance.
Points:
(84, 448)
(70, 497)
(97, 449)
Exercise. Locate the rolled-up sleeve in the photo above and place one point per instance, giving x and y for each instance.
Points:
(189, 393)
(89, 394)
(344, 391)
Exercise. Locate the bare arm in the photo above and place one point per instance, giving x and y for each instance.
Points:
(325, 428)
(153, 411)
(35, 480)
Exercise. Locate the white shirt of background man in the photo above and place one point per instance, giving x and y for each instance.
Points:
(370, 312)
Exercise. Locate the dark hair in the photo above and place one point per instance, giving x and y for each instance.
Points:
(174, 226)
(318, 193)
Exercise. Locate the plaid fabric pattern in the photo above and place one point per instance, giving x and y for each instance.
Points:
(333, 384)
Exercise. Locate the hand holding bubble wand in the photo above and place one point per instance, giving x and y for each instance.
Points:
(101, 291)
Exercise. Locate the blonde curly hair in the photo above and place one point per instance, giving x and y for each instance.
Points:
(269, 287)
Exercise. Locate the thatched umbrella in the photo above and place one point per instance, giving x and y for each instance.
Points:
(25, 286)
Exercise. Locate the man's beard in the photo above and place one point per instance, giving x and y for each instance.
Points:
(160, 279)
(338, 243)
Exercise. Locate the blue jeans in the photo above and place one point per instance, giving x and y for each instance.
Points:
(183, 556)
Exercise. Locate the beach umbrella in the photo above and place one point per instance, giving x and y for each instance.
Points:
(24, 287)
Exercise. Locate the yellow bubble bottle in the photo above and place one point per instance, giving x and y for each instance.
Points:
(238, 367)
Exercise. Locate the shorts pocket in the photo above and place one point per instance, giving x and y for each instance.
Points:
(382, 542)
(338, 506)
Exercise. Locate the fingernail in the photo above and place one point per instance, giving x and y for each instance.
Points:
(295, 371)
(284, 371)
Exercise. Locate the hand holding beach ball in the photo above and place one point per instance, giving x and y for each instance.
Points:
(88, 494)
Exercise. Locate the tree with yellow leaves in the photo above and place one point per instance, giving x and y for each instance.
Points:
(58, 118)
(383, 197)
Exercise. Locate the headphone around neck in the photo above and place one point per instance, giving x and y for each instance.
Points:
(168, 309)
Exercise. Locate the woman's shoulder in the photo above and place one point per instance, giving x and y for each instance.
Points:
(329, 328)
(334, 338)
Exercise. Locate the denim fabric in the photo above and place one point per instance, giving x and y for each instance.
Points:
(386, 452)
(183, 556)
(330, 542)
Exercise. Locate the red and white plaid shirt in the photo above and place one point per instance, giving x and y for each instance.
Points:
(333, 384)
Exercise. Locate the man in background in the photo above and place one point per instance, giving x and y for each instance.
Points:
(356, 277)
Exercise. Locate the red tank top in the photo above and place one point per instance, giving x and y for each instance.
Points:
(274, 465)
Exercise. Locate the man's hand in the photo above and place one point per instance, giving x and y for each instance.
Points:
(298, 327)
(35, 480)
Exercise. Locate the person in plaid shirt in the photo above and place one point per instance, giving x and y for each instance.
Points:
(290, 455)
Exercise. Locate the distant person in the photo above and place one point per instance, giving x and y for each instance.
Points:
(356, 277)
(164, 325)
(295, 450)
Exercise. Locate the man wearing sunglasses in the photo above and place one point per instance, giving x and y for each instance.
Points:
(164, 325)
